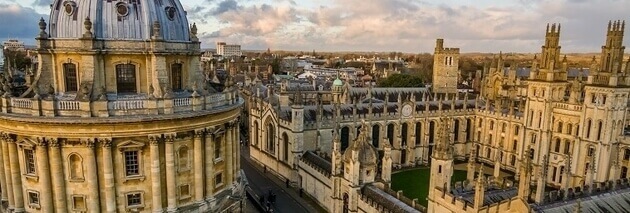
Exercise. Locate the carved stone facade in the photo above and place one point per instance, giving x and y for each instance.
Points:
(116, 122)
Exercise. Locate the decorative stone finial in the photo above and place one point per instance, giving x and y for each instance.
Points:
(102, 93)
(151, 91)
(88, 28)
(193, 32)
(42, 28)
(194, 89)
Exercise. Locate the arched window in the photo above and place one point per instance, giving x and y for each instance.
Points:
(285, 142)
(456, 130)
(468, 130)
(255, 141)
(588, 129)
(176, 76)
(404, 134)
(560, 127)
(569, 129)
(345, 203)
(390, 133)
(376, 131)
(126, 78)
(624, 172)
(70, 77)
(271, 135)
(626, 154)
(599, 130)
(418, 133)
(567, 147)
(491, 125)
(76, 167)
(557, 145)
(515, 146)
(345, 138)
(503, 127)
(183, 159)
(488, 152)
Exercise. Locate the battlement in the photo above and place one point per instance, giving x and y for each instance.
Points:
(448, 50)
(553, 31)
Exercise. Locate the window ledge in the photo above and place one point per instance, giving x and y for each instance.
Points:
(136, 208)
(218, 185)
(75, 180)
(32, 177)
(218, 160)
(185, 197)
(34, 206)
(134, 177)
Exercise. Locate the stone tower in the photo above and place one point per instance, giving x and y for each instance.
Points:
(445, 68)
(605, 100)
(441, 162)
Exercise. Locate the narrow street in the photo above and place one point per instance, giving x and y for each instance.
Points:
(261, 183)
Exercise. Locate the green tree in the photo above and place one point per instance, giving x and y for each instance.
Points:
(401, 80)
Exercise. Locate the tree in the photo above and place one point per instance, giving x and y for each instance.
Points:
(17, 59)
(401, 80)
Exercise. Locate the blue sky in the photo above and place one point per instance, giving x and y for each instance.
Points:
(375, 25)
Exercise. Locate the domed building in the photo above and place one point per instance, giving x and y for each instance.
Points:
(118, 117)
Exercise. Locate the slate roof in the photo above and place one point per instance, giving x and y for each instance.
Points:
(491, 196)
(322, 165)
(384, 199)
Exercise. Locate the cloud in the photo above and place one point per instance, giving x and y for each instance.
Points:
(19, 22)
(42, 3)
(225, 6)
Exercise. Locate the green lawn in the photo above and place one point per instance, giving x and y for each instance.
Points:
(415, 183)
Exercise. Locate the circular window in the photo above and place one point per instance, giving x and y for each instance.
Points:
(68, 7)
(122, 9)
(170, 13)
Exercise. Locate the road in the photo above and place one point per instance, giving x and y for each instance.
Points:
(261, 183)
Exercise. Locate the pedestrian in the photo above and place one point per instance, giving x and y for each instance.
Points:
(301, 191)
(287, 182)
(265, 169)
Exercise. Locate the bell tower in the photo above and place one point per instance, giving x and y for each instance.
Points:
(445, 68)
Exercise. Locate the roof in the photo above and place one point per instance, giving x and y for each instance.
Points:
(120, 20)
(321, 164)
(386, 200)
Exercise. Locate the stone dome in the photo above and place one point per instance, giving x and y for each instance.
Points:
(119, 20)
(337, 82)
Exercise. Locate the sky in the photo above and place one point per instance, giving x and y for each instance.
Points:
(409, 26)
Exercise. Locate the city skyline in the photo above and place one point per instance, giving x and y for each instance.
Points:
(375, 25)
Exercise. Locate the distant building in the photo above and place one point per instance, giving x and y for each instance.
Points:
(13, 44)
(227, 50)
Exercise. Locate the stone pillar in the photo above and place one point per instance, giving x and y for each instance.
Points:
(45, 195)
(57, 175)
(108, 173)
(229, 163)
(237, 151)
(3, 175)
(16, 175)
(169, 153)
(198, 164)
(93, 200)
(209, 160)
(7, 166)
(156, 181)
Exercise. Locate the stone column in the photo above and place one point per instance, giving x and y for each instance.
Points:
(237, 151)
(93, 200)
(209, 160)
(7, 175)
(45, 195)
(198, 164)
(228, 139)
(57, 175)
(108, 173)
(156, 180)
(3, 180)
(16, 175)
(171, 193)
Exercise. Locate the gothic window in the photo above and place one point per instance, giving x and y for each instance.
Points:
(491, 125)
(591, 151)
(626, 154)
(468, 130)
(553, 173)
(183, 158)
(376, 130)
(567, 147)
(531, 118)
(503, 127)
(513, 160)
(70, 77)
(390, 133)
(588, 129)
(624, 172)
(345, 203)
(516, 129)
(540, 116)
(76, 167)
(255, 130)
(559, 127)
(176, 76)
(557, 145)
(577, 130)
(271, 135)
(285, 142)
(404, 134)
(489, 139)
(515, 146)
(569, 129)
(480, 122)
(456, 129)
(599, 130)
(345, 138)
(488, 152)
(126, 78)
(418, 133)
